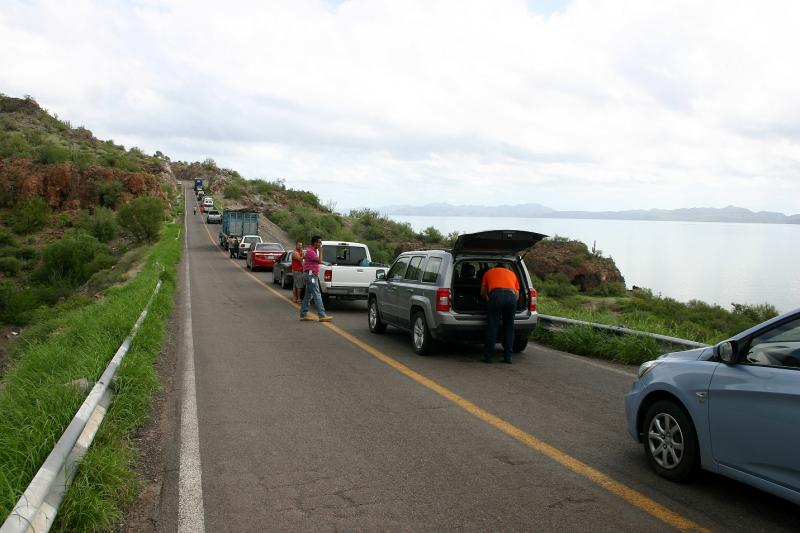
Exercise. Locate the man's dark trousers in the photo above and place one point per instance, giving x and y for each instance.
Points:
(502, 306)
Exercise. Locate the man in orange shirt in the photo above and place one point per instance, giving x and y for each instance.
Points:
(500, 289)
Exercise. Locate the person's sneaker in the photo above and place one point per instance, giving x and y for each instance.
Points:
(306, 319)
(326, 318)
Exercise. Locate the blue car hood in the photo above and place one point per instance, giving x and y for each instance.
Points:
(689, 355)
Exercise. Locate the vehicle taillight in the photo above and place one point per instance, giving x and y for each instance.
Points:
(328, 275)
(442, 299)
(533, 300)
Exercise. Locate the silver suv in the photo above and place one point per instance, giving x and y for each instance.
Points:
(435, 294)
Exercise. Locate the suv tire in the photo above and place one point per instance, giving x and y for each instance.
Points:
(520, 343)
(667, 425)
(376, 325)
(421, 338)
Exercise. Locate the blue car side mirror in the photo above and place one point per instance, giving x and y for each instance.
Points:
(728, 352)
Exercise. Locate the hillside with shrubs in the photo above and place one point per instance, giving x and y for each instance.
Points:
(75, 211)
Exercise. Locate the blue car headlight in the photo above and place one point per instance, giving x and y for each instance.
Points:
(647, 366)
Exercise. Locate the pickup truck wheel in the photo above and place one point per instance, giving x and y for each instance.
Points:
(326, 300)
(520, 343)
(421, 338)
(376, 325)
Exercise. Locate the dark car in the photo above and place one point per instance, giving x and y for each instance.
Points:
(435, 294)
(263, 255)
(282, 271)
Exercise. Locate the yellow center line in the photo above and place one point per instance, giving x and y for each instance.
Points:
(632, 496)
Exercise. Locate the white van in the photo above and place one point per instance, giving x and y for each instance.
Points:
(208, 202)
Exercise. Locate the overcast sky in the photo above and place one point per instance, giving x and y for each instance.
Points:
(576, 105)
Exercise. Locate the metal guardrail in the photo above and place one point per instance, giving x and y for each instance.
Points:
(36, 509)
(550, 321)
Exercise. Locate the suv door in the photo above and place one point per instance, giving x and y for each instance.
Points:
(406, 288)
(754, 405)
(390, 297)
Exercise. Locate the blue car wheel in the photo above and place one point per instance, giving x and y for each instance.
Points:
(670, 441)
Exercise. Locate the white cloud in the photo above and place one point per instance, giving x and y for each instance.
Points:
(584, 105)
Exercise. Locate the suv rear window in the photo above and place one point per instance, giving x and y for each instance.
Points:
(249, 240)
(431, 272)
(345, 255)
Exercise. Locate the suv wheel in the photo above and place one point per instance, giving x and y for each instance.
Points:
(520, 343)
(376, 325)
(420, 334)
(670, 442)
(284, 282)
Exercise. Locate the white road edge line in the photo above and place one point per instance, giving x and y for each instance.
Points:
(191, 515)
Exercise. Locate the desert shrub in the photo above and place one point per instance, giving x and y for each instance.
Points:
(18, 305)
(755, 313)
(26, 253)
(102, 224)
(9, 266)
(6, 238)
(51, 153)
(265, 187)
(13, 143)
(557, 286)
(234, 190)
(431, 235)
(72, 260)
(141, 220)
(81, 159)
(30, 215)
(614, 288)
(108, 193)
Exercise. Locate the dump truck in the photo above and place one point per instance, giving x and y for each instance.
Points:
(237, 223)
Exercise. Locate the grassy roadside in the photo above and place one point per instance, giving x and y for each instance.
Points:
(38, 397)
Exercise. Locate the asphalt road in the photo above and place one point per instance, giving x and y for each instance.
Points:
(302, 427)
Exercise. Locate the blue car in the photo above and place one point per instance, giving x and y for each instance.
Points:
(733, 408)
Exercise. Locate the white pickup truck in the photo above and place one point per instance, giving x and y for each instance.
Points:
(347, 271)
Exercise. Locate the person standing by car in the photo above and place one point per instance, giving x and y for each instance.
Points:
(311, 264)
(500, 289)
(233, 245)
(297, 270)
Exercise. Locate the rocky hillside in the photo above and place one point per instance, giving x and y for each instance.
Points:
(42, 156)
(564, 258)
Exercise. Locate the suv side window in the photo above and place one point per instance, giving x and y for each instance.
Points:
(779, 346)
(398, 268)
(431, 272)
(412, 274)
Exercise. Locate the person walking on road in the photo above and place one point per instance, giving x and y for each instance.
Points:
(297, 271)
(233, 246)
(195, 209)
(500, 289)
(311, 263)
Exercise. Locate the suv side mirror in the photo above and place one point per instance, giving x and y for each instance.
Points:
(380, 274)
(728, 352)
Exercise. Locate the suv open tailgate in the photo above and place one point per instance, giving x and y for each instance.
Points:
(496, 242)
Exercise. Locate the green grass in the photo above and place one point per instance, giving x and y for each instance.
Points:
(586, 340)
(37, 400)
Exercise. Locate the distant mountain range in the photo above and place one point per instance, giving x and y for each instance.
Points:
(690, 214)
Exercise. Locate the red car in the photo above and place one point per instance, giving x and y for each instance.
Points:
(264, 255)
